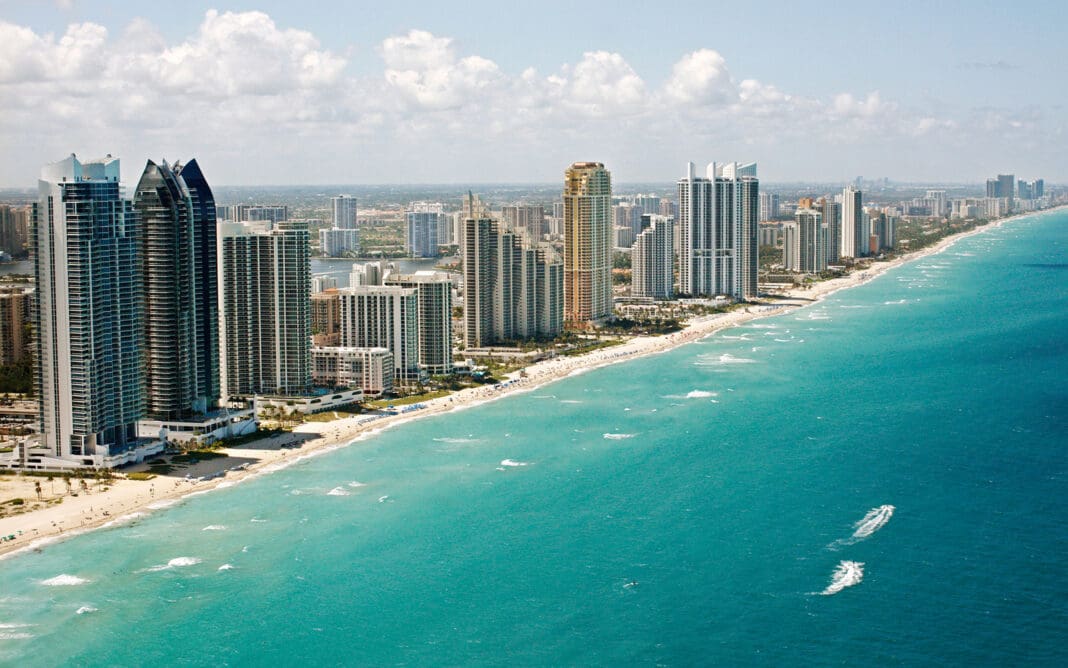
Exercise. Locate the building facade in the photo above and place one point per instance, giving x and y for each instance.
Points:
(370, 369)
(513, 289)
(805, 242)
(343, 208)
(434, 296)
(718, 244)
(384, 317)
(180, 287)
(587, 244)
(265, 291)
(424, 221)
(652, 260)
(853, 242)
(87, 264)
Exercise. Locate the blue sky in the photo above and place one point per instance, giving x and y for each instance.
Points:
(284, 92)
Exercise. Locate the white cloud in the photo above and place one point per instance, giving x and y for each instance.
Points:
(265, 97)
(701, 78)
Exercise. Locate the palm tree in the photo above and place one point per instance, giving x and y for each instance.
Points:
(37, 488)
(52, 483)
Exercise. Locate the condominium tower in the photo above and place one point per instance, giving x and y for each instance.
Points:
(587, 243)
(805, 243)
(265, 290)
(853, 241)
(718, 252)
(87, 250)
(652, 259)
(181, 324)
(513, 289)
(434, 317)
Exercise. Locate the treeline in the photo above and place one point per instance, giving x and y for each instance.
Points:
(18, 377)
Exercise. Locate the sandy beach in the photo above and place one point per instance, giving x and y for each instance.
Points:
(125, 499)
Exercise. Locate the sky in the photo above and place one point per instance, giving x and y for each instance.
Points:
(274, 93)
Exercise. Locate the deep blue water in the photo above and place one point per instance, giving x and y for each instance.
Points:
(686, 508)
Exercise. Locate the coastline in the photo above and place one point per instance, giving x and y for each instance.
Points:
(128, 499)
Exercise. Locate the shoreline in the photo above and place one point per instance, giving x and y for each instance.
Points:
(127, 500)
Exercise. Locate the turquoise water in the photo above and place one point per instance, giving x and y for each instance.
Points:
(685, 508)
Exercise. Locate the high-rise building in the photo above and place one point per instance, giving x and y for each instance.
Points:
(339, 242)
(370, 273)
(718, 252)
(178, 250)
(265, 281)
(804, 242)
(344, 212)
(87, 263)
(434, 319)
(16, 314)
(384, 316)
(14, 230)
(513, 289)
(370, 369)
(258, 213)
(587, 243)
(652, 260)
(424, 220)
(854, 238)
(1007, 189)
(769, 206)
(526, 217)
(832, 220)
(326, 318)
(647, 204)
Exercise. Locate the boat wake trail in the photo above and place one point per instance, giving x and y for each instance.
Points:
(875, 519)
(847, 574)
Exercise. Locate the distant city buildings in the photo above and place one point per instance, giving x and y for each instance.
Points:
(342, 238)
(718, 252)
(265, 281)
(262, 213)
(587, 244)
(769, 206)
(652, 259)
(529, 218)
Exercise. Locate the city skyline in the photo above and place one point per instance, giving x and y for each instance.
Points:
(325, 98)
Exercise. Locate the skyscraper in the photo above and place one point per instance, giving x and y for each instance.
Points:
(832, 220)
(344, 210)
(87, 252)
(854, 239)
(718, 252)
(266, 301)
(424, 221)
(384, 316)
(1007, 188)
(804, 243)
(652, 260)
(434, 317)
(513, 289)
(181, 290)
(587, 243)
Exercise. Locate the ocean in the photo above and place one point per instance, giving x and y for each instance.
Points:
(877, 479)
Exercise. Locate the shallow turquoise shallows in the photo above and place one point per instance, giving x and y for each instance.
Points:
(877, 479)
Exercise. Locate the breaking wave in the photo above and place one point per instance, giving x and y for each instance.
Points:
(724, 359)
(617, 437)
(699, 394)
(339, 491)
(512, 462)
(64, 580)
(214, 527)
(456, 440)
(848, 574)
(357, 483)
(226, 567)
(85, 609)
(177, 562)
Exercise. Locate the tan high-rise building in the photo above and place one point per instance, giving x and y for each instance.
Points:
(587, 243)
(15, 315)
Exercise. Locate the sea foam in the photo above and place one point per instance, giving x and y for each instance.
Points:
(339, 491)
(513, 463)
(214, 527)
(85, 609)
(177, 562)
(618, 437)
(699, 394)
(64, 580)
(848, 574)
